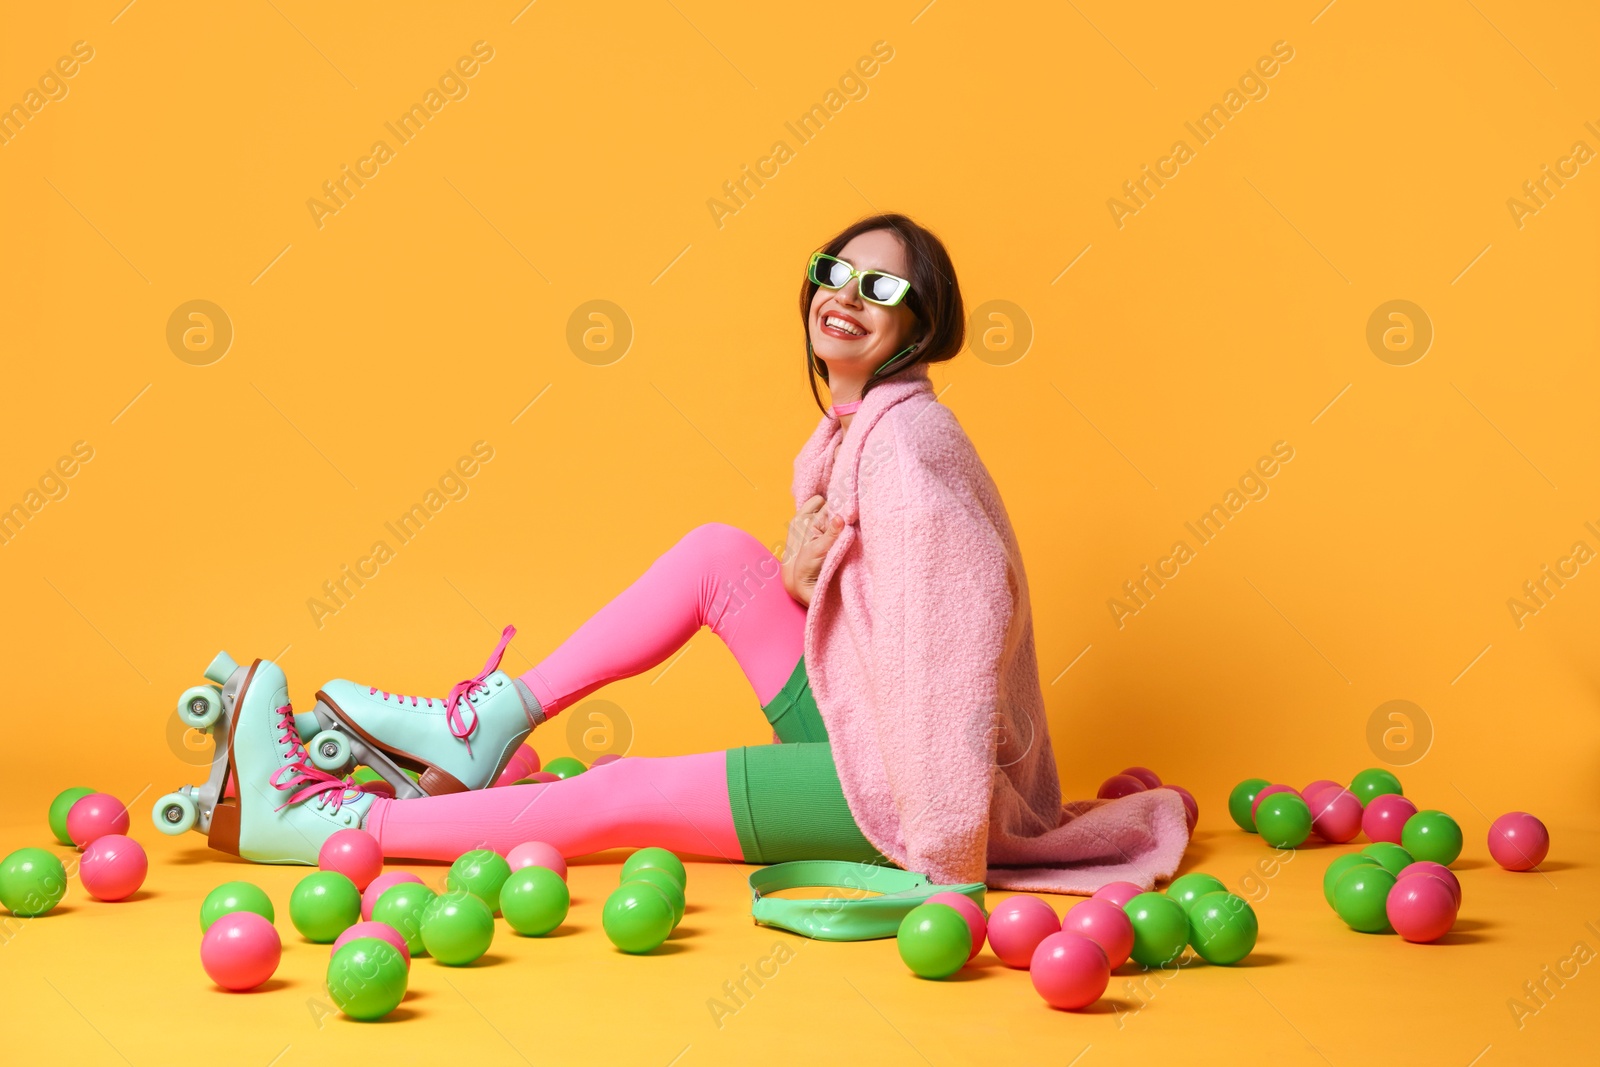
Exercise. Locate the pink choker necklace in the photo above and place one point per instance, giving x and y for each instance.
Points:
(847, 408)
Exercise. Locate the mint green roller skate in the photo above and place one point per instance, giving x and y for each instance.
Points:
(391, 733)
(280, 808)
(210, 709)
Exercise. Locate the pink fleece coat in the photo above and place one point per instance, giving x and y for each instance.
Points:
(919, 649)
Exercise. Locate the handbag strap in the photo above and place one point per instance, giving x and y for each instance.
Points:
(839, 917)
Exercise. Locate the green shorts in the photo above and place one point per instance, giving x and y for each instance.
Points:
(787, 801)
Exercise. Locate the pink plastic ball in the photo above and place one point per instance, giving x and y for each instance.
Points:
(1150, 778)
(977, 922)
(1421, 908)
(355, 854)
(1118, 893)
(603, 759)
(379, 788)
(96, 815)
(1267, 792)
(370, 895)
(113, 867)
(524, 761)
(538, 854)
(1069, 970)
(1104, 923)
(1439, 871)
(1517, 841)
(240, 951)
(1309, 792)
(1336, 815)
(368, 928)
(1191, 806)
(1385, 816)
(1120, 785)
(1017, 926)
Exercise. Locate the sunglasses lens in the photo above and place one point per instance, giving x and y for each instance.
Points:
(830, 272)
(881, 288)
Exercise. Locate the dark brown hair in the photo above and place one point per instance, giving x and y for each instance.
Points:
(935, 297)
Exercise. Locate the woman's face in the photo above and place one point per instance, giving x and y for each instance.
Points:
(870, 333)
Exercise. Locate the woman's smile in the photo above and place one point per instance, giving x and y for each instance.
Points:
(838, 324)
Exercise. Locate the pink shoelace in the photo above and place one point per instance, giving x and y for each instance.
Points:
(461, 690)
(313, 780)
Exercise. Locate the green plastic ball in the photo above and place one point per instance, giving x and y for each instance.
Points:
(1374, 782)
(1160, 929)
(1241, 799)
(534, 901)
(235, 896)
(564, 767)
(1361, 898)
(1390, 856)
(1222, 928)
(1283, 820)
(656, 857)
(324, 905)
(480, 872)
(1188, 888)
(934, 940)
(1336, 869)
(457, 928)
(366, 774)
(59, 808)
(32, 881)
(1432, 835)
(669, 887)
(401, 906)
(367, 978)
(637, 917)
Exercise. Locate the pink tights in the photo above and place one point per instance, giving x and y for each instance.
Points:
(717, 576)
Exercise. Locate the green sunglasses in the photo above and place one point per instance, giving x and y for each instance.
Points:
(831, 272)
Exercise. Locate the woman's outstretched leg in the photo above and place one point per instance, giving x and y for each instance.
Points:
(716, 575)
(761, 804)
(676, 802)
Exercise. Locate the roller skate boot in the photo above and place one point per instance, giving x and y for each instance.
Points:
(210, 709)
(284, 807)
(458, 742)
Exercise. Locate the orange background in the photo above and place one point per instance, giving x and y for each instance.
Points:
(1229, 313)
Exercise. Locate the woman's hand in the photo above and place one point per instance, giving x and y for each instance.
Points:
(811, 533)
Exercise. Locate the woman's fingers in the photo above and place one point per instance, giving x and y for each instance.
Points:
(801, 528)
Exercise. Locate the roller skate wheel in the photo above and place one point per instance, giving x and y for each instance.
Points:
(200, 707)
(174, 814)
(330, 750)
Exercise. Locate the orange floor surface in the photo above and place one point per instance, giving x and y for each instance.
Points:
(1515, 982)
